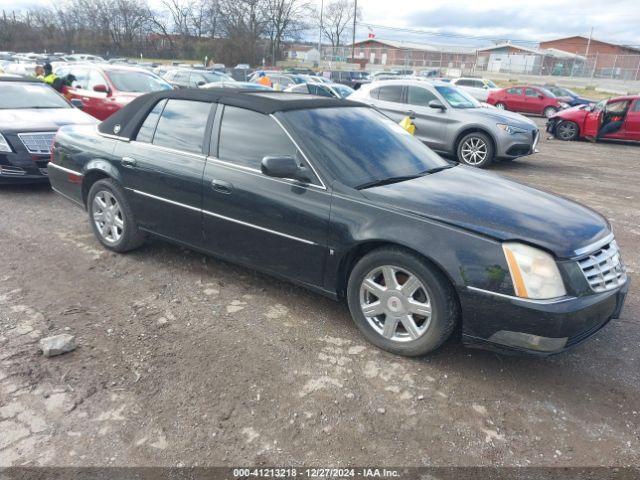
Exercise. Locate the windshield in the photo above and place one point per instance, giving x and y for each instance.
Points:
(490, 84)
(30, 95)
(343, 91)
(138, 82)
(359, 145)
(546, 92)
(457, 98)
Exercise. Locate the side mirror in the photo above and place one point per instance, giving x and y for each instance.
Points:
(437, 105)
(412, 115)
(101, 88)
(541, 97)
(284, 167)
(76, 102)
(201, 83)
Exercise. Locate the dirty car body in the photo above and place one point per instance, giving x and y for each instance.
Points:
(314, 228)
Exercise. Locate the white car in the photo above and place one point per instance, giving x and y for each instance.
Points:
(478, 88)
(335, 90)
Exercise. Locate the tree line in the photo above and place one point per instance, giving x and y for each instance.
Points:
(227, 31)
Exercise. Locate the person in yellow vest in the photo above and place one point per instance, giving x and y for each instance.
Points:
(49, 76)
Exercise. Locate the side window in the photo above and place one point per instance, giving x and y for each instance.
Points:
(463, 83)
(246, 137)
(182, 125)
(391, 93)
(478, 84)
(95, 78)
(530, 92)
(320, 90)
(82, 78)
(617, 107)
(148, 127)
(419, 96)
(182, 77)
(514, 91)
(636, 106)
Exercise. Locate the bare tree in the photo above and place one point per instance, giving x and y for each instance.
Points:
(285, 20)
(337, 20)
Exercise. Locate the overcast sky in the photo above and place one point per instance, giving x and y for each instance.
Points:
(617, 20)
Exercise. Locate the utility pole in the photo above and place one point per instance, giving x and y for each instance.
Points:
(320, 35)
(353, 42)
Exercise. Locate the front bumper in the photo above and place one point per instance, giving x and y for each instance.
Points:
(20, 165)
(513, 325)
(517, 145)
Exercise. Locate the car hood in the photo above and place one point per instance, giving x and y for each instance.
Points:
(491, 205)
(501, 116)
(575, 114)
(33, 119)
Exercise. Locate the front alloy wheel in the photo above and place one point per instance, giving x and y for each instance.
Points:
(395, 303)
(567, 130)
(476, 150)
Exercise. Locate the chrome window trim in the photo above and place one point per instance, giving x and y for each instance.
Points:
(64, 169)
(113, 137)
(222, 217)
(201, 156)
(549, 301)
(300, 150)
(594, 246)
(258, 173)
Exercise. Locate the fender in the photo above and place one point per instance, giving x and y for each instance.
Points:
(100, 165)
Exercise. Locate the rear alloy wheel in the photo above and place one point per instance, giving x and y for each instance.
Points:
(549, 112)
(111, 217)
(476, 150)
(400, 303)
(567, 130)
(501, 106)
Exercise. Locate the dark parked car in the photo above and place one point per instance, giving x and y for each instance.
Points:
(354, 79)
(334, 196)
(30, 114)
(568, 96)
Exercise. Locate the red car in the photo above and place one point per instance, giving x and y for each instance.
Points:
(585, 120)
(527, 99)
(105, 89)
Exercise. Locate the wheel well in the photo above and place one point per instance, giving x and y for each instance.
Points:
(355, 254)
(91, 177)
(474, 130)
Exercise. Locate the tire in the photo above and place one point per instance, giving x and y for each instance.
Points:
(111, 217)
(475, 149)
(434, 297)
(500, 106)
(567, 130)
(549, 112)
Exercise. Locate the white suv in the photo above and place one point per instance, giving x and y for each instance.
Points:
(478, 88)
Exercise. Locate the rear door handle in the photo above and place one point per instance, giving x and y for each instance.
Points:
(221, 186)
(128, 162)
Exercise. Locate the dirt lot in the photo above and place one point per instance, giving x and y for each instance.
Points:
(187, 360)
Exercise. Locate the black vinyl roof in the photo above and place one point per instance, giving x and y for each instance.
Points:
(124, 122)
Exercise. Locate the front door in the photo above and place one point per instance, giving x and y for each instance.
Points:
(593, 119)
(162, 169)
(430, 122)
(632, 122)
(82, 89)
(275, 224)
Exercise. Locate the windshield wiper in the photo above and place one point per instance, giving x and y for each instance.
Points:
(387, 181)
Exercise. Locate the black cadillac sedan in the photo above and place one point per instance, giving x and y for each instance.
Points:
(30, 114)
(332, 195)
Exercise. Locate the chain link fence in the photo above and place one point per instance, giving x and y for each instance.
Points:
(466, 61)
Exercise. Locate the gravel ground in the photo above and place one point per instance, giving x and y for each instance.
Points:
(187, 360)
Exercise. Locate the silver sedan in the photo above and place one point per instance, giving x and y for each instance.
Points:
(452, 122)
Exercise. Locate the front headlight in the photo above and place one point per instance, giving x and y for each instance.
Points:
(4, 145)
(510, 129)
(534, 272)
(563, 105)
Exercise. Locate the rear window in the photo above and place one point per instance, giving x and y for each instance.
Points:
(390, 93)
(182, 125)
(148, 127)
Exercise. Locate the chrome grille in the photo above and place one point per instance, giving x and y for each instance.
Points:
(603, 268)
(37, 143)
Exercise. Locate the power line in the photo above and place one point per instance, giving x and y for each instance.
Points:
(475, 37)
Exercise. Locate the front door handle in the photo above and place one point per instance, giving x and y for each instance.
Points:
(221, 186)
(128, 162)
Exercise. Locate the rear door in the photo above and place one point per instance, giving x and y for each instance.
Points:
(276, 224)
(430, 123)
(162, 168)
(532, 101)
(391, 100)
